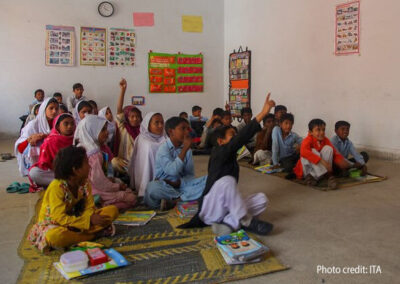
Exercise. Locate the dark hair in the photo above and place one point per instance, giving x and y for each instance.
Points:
(220, 132)
(196, 108)
(63, 107)
(218, 111)
(279, 108)
(83, 104)
(68, 159)
(268, 116)
(216, 121)
(77, 86)
(246, 110)
(226, 113)
(38, 90)
(287, 116)
(182, 113)
(315, 122)
(92, 103)
(173, 122)
(62, 117)
(57, 95)
(341, 123)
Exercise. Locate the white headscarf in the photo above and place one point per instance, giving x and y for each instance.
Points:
(142, 164)
(111, 127)
(144, 129)
(36, 126)
(87, 133)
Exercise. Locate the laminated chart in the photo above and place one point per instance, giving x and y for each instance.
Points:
(121, 47)
(60, 46)
(347, 33)
(175, 73)
(93, 46)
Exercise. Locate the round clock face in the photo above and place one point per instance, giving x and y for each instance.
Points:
(106, 9)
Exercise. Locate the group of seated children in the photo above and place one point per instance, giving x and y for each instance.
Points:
(134, 160)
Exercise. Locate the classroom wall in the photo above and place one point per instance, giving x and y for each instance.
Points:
(22, 60)
(292, 44)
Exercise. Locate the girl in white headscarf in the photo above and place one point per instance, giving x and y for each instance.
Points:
(27, 147)
(81, 109)
(92, 134)
(142, 163)
(106, 113)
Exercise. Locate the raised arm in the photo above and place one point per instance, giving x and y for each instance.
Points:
(122, 84)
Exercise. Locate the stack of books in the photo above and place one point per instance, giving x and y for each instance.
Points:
(268, 169)
(239, 248)
(187, 209)
(243, 153)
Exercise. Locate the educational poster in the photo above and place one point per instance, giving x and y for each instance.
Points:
(93, 46)
(239, 81)
(121, 47)
(60, 46)
(347, 34)
(171, 73)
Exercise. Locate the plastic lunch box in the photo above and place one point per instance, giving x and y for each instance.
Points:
(74, 261)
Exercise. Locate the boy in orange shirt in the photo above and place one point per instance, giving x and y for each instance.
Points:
(317, 155)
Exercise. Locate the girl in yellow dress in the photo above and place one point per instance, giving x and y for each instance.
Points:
(68, 215)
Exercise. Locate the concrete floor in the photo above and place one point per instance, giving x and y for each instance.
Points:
(347, 228)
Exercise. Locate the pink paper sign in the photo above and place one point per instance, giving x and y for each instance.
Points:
(143, 19)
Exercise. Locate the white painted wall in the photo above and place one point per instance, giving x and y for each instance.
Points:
(292, 44)
(22, 49)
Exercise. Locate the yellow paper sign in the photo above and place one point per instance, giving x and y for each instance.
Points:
(192, 24)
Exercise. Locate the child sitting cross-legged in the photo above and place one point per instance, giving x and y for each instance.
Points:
(285, 144)
(345, 147)
(317, 156)
(262, 151)
(221, 204)
(174, 170)
(91, 133)
(142, 166)
(61, 136)
(68, 215)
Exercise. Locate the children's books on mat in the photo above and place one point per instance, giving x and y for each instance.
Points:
(75, 264)
(239, 248)
(268, 169)
(187, 209)
(135, 218)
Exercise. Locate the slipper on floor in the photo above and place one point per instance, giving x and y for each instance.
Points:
(6, 156)
(24, 188)
(13, 187)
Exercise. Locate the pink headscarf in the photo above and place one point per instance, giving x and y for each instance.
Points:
(134, 131)
(52, 144)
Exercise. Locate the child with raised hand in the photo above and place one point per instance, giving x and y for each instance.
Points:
(142, 165)
(61, 136)
(285, 144)
(91, 133)
(345, 147)
(82, 108)
(262, 151)
(221, 204)
(128, 122)
(174, 170)
(78, 96)
(27, 147)
(68, 215)
(317, 156)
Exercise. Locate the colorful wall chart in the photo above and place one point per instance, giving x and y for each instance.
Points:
(239, 81)
(347, 33)
(60, 46)
(171, 73)
(121, 47)
(93, 46)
